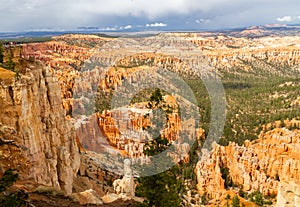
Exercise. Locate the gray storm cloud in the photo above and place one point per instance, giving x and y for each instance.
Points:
(33, 14)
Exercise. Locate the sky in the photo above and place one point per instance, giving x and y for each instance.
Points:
(110, 15)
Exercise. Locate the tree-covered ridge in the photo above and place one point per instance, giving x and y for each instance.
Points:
(252, 103)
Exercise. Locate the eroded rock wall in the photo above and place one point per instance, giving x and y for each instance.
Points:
(32, 107)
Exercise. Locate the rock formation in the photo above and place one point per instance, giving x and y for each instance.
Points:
(125, 185)
(264, 164)
(32, 108)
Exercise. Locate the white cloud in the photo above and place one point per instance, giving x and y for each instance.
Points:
(126, 27)
(108, 29)
(288, 18)
(199, 21)
(285, 19)
(156, 25)
(115, 28)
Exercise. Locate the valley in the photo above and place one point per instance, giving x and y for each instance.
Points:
(203, 118)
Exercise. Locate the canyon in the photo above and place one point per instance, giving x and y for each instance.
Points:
(66, 122)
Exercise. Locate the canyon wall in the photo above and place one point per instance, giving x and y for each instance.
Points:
(31, 108)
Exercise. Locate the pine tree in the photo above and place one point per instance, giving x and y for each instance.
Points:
(236, 202)
(7, 180)
(1, 53)
(12, 199)
(162, 189)
(10, 64)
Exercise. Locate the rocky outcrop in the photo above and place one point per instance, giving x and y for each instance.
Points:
(32, 108)
(12, 154)
(262, 165)
(126, 185)
(64, 60)
(56, 53)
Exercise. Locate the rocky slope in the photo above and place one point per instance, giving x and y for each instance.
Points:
(268, 164)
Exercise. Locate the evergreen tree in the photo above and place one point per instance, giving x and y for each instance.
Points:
(156, 98)
(236, 202)
(162, 189)
(257, 197)
(1, 53)
(8, 179)
(12, 199)
(10, 64)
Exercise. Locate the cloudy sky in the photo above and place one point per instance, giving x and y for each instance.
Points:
(25, 15)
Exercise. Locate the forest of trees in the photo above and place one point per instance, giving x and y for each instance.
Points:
(250, 104)
(166, 188)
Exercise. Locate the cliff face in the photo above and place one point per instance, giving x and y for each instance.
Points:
(32, 108)
(266, 164)
(65, 56)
